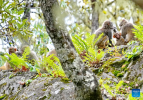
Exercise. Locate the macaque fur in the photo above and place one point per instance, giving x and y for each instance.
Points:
(52, 52)
(31, 57)
(119, 39)
(106, 29)
(126, 30)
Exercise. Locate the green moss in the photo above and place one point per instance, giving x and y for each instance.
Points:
(116, 72)
(28, 82)
(118, 64)
(140, 83)
(4, 84)
(13, 98)
(120, 75)
(126, 69)
(44, 89)
(62, 88)
(136, 79)
(131, 84)
(139, 75)
(49, 95)
(11, 76)
(26, 97)
(95, 71)
(65, 80)
(43, 98)
(108, 63)
(4, 95)
(124, 84)
(47, 82)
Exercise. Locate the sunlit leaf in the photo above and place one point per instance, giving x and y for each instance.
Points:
(1, 3)
(104, 12)
(20, 12)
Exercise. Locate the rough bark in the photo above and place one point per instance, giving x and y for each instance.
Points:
(86, 85)
(95, 17)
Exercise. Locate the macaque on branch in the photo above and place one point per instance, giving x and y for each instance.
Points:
(107, 30)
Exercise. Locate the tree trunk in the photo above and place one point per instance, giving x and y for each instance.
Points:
(86, 85)
(95, 17)
(27, 11)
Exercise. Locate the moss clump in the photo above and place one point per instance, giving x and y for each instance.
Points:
(28, 82)
(44, 89)
(1, 97)
(120, 75)
(140, 83)
(11, 76)
(108, 63)
(49, 96)
(118, 64)
(65, 80)
(62, 88)
(43, 98)
(4, 84)
(131, 84)
(116, 72)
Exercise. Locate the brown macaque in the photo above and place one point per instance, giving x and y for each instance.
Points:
(19, 53)
(52, 52)
(32, 57)
(7, 66)
(126, 30)
(107, 29)
(12, 50)
(119, 39)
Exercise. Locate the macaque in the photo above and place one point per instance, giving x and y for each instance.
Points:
(19, 53)
(32, 57)
(126, 30)
(52, 52)
(107, 29)
(7, 66)
(119, 39)
(12, 50)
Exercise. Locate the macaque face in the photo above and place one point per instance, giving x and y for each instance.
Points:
(19, 54)
(12, 50)
(122, 23)
(117, 36)
(108, 25)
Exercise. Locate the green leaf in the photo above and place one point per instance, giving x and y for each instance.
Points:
(13, 29)
(9, 7)
(119, 85)
(1, 3)
(20, 12)
(5, 4)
